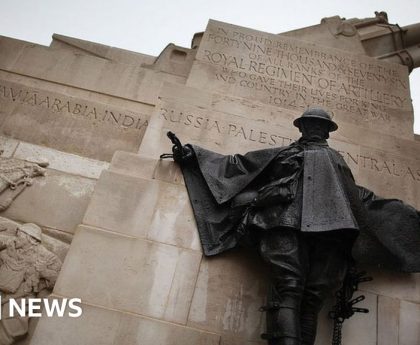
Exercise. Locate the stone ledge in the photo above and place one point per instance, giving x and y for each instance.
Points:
(141, 166)
(403, 286)
(62, 161)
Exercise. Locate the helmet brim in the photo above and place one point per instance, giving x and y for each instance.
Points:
(333, 125)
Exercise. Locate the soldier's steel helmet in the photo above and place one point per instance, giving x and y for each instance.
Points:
(317, 113)
(32, 230)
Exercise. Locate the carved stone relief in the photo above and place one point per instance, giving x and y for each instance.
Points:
(15, 176)
(28, 268)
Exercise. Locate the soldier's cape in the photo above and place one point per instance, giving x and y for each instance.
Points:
(389, 229)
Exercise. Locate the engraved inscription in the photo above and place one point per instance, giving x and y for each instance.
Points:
(293, 74)
(388, 167)
(61, 104)
(268, 138)
(235, 130)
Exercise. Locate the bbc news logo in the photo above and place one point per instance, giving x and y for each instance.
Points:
(38, 307)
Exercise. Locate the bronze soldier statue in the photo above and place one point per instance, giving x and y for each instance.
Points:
(300, 206)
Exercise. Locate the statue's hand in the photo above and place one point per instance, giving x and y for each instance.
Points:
(275, 195)
(246, 198)
(182, 154)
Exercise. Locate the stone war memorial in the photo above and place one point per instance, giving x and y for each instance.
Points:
(88, 210)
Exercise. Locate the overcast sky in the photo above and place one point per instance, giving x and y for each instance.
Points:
(147, 26)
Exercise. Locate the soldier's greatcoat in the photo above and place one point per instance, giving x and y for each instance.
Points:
(307, 186)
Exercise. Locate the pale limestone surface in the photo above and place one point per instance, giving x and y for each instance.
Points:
(7, 146)
(143, 208)
(362, 328)
(55, 244)
(150, 168)
(293, 74)
(74, 124)
(131, 164)
(393, 284)
(321, 35)
(135, 165)
(57, 201)
(174, 60)
(83, 71)
(409, 328)
(111, 327)
(62, 161)
(388, 165)
(11, 49)
(91, 48)
(256, 111)
(216, 131)
(230, 289)
(82, 97)
(60, 235)
(33, 84)
(239, 341)
(98, 259)
(130, 209)
(388, 320)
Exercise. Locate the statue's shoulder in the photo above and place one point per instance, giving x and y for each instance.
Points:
(202, 153)
(335, 153)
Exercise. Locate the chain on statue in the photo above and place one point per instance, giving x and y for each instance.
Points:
(344, 307)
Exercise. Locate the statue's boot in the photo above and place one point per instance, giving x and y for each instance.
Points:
(281, 250)
(283, 320)
(284, 341)
(328, 257)
(312, 302)
(308, 327)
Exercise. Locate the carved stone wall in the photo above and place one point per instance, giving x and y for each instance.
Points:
(135, 260)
